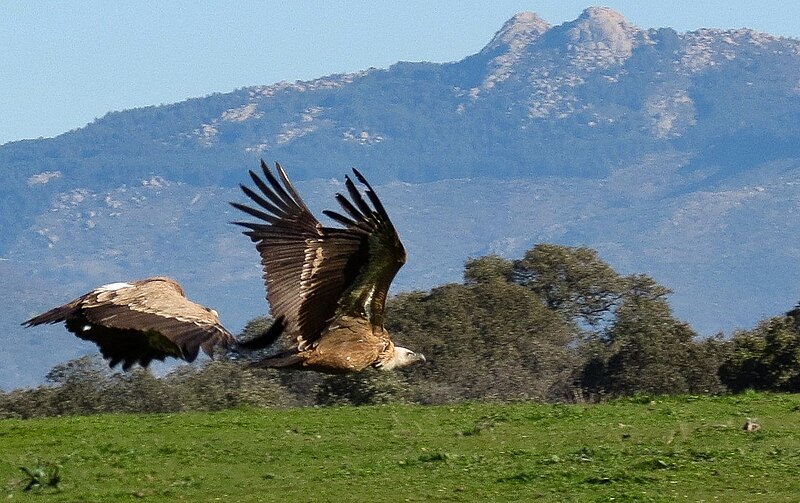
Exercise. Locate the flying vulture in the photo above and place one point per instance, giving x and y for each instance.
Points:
(326, 286)
(141, 321)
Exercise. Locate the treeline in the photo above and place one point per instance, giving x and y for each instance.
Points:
(558, 325)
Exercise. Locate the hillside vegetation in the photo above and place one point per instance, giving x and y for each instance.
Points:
(557, 325)
(645, 449)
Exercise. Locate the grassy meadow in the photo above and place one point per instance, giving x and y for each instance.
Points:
(644, 449)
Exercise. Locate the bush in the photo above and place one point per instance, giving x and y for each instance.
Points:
(371, 387)
(765, 358)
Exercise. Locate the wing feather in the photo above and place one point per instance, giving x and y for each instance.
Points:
(278, 194)
(355, 196)
(259, 200)
(351, 210)
(339, 218)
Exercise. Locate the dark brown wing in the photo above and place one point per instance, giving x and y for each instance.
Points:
(309, 270)
(141, 321)
(380, 255)
(301, 262)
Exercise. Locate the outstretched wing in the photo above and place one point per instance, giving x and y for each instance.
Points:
(379, 257)
(141, 321)
(309, 270)
(302, 263)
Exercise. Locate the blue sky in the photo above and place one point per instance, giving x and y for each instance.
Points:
(65, 63)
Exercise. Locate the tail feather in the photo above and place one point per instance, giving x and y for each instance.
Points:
(288, 359)
(265, 339)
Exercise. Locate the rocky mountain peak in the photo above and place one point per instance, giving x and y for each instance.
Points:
(599, 29)
(519, 31)
(602, 14)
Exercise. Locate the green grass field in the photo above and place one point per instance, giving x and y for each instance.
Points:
(665, 449)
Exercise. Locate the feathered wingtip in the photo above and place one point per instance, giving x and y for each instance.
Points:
(361, 215)
(372, 195)
(277, 199)
(55, 315)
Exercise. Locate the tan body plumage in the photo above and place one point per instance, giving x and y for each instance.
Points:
(350, 345)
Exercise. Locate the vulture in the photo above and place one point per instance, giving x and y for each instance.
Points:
(326, 286)
(141, 321)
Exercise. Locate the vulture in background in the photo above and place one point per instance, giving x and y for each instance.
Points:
(326, 286)
(141, 321)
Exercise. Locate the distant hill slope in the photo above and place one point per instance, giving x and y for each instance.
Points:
(674, 154)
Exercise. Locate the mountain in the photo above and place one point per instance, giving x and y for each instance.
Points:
(673, 154)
